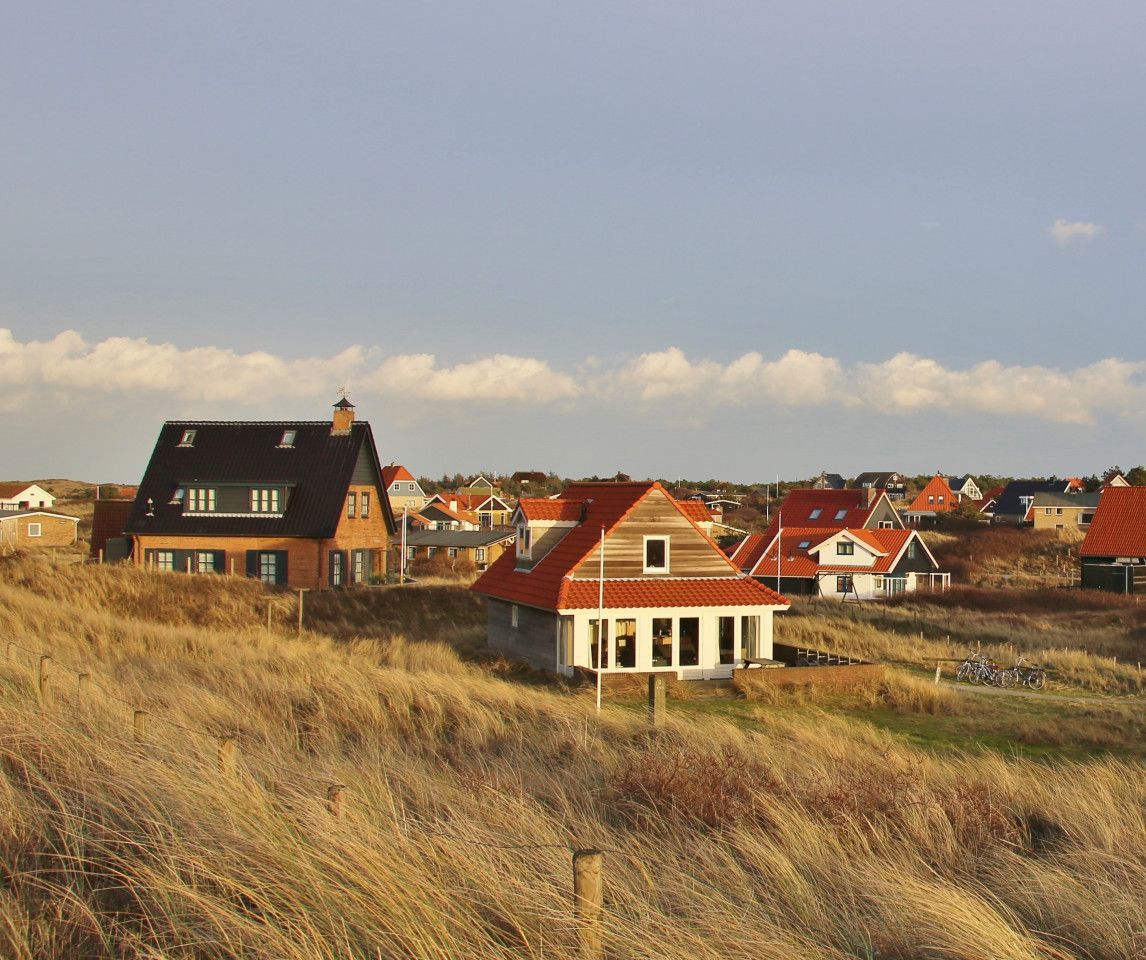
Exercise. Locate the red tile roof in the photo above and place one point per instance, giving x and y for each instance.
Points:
(1119, 525)
(549, 584)
(542, 508)
(8, 490)
(749, 551)
(942, 497)
(801, 503)
(713, 592)
(395, 472)
(696, 510)
(798, 561)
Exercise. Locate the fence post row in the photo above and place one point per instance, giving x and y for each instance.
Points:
(587, 903)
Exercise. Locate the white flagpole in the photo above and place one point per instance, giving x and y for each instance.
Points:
(601, 619)
(779, 545)
(402, 565)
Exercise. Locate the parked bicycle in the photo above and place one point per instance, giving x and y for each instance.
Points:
(977, 669)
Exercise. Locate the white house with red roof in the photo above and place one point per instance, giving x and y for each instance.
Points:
(628, 555)
(842, 564)
(1113, 554)
(25, 496)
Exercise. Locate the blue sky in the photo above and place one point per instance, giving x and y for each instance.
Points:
(730, 239)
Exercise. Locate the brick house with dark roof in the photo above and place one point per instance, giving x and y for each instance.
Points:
(1113, 554)
(293, 503)
(672, 601)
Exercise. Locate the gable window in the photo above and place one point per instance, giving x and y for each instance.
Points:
(845, 548)
(930, 498)
(201, 500)
(840, 514)
(264, 500)
(656, 554)
(410, 487)
(351, 504)
(524, 541)
(941, 497)
(188, 439)
(35, 530)
(365, 504)
(886, 525)
(912, 550)
(287, 439)
(815, 514)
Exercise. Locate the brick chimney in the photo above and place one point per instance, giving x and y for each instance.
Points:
(343, 418)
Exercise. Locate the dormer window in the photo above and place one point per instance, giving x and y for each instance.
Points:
(287, 439)
(177, 496)
(845, 548)
(201, 500)
(815, 514)
(524, 541)
(264, 500)
(188, 439)
(656, 554)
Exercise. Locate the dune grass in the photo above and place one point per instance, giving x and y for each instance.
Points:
(805, 834)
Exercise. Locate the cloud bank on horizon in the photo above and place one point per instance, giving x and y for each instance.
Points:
(905, 383)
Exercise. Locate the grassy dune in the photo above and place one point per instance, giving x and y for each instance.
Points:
(804, 833)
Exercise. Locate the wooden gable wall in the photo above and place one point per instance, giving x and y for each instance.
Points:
(691, 554)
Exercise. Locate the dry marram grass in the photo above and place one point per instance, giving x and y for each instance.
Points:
(803, 837)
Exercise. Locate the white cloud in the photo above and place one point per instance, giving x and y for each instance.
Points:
(1064, 233)
(902, 384)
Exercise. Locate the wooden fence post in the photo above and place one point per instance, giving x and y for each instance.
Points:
(587, 903)
(43, 681)
(938, 671)
(656, 699)
(335, 796)
(300, 593)
(139, 725)
(228, 751)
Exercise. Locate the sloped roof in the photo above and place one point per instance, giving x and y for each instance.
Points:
(1119, 525)
(10, 490)
(696, 510)
(990, 497)
(318, 467)
(749, 551)
(797, 560)
(936, 487)
(457, 538)
(798, 506)
(543, 508)
(430, 510)
(35, 511)
(1008, 501)
(1081, 501)
(395, 471)
(876, 478)
(549, 584)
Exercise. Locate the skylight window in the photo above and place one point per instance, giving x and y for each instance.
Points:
(188, 439)
(288, 438)
(815, 514)
(840, 514)
(803, 544)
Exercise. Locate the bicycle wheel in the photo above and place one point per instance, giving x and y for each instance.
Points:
(962, 671)
(1008, 678)
(1036, 680)
(976, 676)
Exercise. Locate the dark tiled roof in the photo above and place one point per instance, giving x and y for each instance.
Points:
(457, 538)
(318, 467)
(1008, 502)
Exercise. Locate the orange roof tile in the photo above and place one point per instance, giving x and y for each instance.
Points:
(543, 508)
(796, 559)
(696, 510)
(800, 505)
(712, 592)
(548, 584)
(942, 497)
(395, 471)
(1119, 525)
(748, 553)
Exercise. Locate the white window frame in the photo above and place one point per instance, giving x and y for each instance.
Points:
(364, 504)
(886, 525)
(524, 541)
(201, 500)
(264, 500)
(164, 559)
(288, 438)
(35, 529)
(645, 554)
(187, 439)
(479, 554)
(204, 561)
(268, 569)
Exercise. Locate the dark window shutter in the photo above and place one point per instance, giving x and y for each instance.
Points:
(281, 566)
(220, 563)
(252, 563)
(180, 558)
